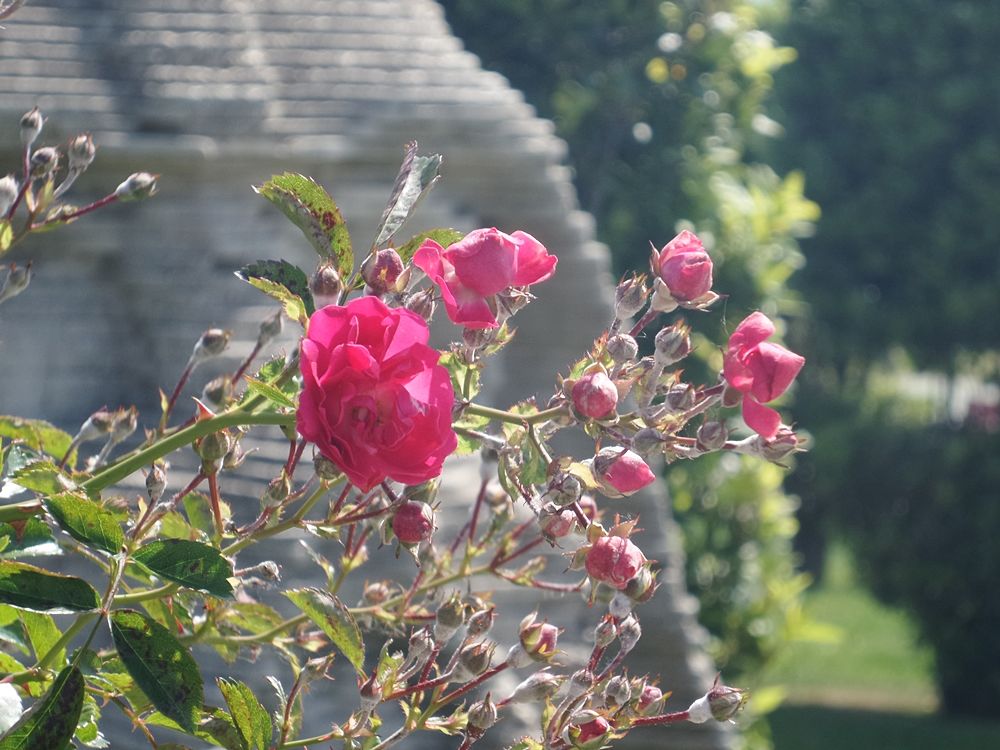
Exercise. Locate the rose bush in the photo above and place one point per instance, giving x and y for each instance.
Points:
(760, 370)
(374, 399)
(471, 272)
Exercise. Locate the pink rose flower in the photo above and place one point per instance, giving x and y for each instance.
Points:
(474, 270)
(614, 560)
(685, 267)
(374, 399)
(760, 370)
(621, 472)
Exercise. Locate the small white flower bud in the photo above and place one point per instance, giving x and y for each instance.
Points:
(326, 285)
(630, 297)
(8, 193)
(537, 688)
(137, 186)
(31, 125)
(43, 162)
(81, 152)
(211, 344)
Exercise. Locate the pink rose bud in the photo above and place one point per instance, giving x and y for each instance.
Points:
(538, 639)
(587, 731)
(782, 445)
(622, 472)
(614, 560)
(622, 348)
(617, 692)
(595, 395)
(381, 270)
(760, 370)
(557, 523)
(649, 699)
(413, 522)
(711, 436)
(685, 267)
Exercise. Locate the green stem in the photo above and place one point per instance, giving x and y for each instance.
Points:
(264, 637)
(512, 418)
(124, 600)
(145, 456)
(78, 624)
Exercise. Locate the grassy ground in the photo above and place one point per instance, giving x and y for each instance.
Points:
(871, 688)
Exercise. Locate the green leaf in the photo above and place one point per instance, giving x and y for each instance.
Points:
(40, 435)
(28, 538)
(467, 444)
(27, 587)
(215, 727)
(334, 619)
(199, 511)
(417, 175)
(43, 477)
(6, 235)
(16, 513)
(268, 391)
(191, 564)
(443, 236)
(50, 723)
(86, 521)
(463, 376)
(42, 632)
(311, 209)
(162, 668)
(283, 281)
(252, 720)
(87, 730)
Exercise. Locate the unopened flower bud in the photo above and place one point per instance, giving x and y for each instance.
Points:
(720, 703)
(555, 522)
(43, 162)
(587, 731)
(31, 125)
(629, 633)
(642, 587)
(211, 344)
(617, 692)
(622, 348)
(449, 618)
(156, 483)
(538, 639)
(564, 488)
(605, 633)
(684, 267)
(595, 395)
(325, 469)
(97, 425)
(213, 447)
(370, 692)
(217, 391)
(81, 152)
(673, 344)
(630, 297)
(620, 606)
(780, 446)
(326, 285)
(137, 187)
(421, 646)
(680, 397)
(481, 622)
(579, 683)
(276, 492)
(711, 436)
(270, 329)
(648, 440)
(381, 270)
(413, 522)
(535, 689)
(124, 424)
(621, 472)
(8, 193)
(421, 303)
(650, 699)
(473, 660)
(18, 278)
(482, 714)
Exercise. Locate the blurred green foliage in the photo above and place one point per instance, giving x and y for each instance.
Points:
(663, 107)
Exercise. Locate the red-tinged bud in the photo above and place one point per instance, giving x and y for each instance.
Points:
(44, 162)
(137, 187)
(672, 344)
(595, 395)
(650, 700)
(587, 731)
(413, 523)
(721, 703)
(605, 633)
(81, 152)
(422, 303)
(780, 446)
(711, 436)
(326, 285)
(31, 125)
(556, 523)
(617, 692)
(535, 689)
(622, 348)
(381, 270)
(621, 472)
(630, 297)
(684, 267)
(538, 639)
(473, 660)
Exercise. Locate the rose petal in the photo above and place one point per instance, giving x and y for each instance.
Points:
(763, 420)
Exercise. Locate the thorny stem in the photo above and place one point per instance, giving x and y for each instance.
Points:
(471, 685)
(181, 382)
(245, 364)
(650, 721)
(644, 321)
(213, 489)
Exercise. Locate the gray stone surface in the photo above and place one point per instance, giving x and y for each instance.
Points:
(217, 95)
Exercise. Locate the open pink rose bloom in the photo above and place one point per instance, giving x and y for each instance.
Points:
(760, 370)
(474, 270)
(374, 399)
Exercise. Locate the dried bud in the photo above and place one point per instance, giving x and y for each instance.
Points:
(326, 285)
(535, 689)
(673, 344)
(617, 692)
(481, 622)
(621, 472)
(156, 483)
(31, 125)
(711, 436)
(16, 282)
(587, 731)
(538, 639)
(629, 633)
(650, 700)
(325, 469)
(81, 152)
(482, 714)
(449, 618)
(276, 492)
(622, 348)
(138, 186)
(595, 395)
(605, 633)
(8, 193)
(44, 162)
(213, 447)
(269, 570)
(421, 303)
(370, 692)
(473, 660)
(381, 270)
(211, 344)
(630, 297)
(270, 329)
(413, 523)
(217, 391)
